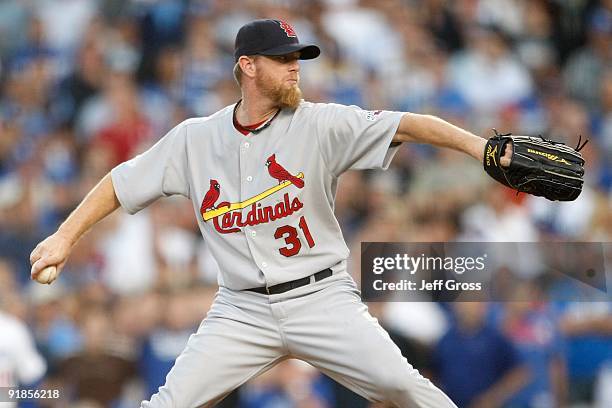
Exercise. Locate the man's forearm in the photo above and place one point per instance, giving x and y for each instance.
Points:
(437, 132)
(99, 202)
(55, 250)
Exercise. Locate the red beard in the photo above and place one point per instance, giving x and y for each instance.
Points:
(283, 96)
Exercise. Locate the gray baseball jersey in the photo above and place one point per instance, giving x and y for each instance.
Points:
(265, 205)
(264, 202)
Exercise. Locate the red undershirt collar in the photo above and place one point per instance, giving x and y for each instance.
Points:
(255, 127)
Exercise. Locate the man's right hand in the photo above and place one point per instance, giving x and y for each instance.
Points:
(54, 250)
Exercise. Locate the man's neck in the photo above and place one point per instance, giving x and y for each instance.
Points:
(254, 110)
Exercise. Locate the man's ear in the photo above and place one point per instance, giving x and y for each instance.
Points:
(247, 64)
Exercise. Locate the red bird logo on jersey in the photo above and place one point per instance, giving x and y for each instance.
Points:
(278, 172)
(212, 195)
(230, 217)
(287, 29)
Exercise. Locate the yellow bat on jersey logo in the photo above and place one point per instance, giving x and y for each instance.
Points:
(210, 214)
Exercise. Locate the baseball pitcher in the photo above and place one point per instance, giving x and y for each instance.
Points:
(262, 176)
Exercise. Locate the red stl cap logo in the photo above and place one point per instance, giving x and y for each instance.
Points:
(288, 29)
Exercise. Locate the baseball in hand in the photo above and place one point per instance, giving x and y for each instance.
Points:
(47, 275)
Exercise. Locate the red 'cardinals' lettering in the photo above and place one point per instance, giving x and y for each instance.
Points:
(278, 172)
(211, 196)
(232, 221)
(288, 29)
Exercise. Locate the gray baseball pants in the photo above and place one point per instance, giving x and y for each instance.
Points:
(324, 323)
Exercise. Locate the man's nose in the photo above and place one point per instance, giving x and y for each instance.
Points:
(294, 65)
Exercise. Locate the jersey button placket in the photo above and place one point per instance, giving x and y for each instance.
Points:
(244, 168)
(250, 163)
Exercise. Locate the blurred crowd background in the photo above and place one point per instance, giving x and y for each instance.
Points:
(86, 84)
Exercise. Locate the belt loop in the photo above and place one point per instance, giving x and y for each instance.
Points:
(312, 278)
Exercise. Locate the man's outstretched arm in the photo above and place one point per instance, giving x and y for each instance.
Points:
(528, 164)
(54, 250)
(437, 132)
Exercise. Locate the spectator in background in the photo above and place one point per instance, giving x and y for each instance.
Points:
(585, 68)
(487, 74)
(18, 219)
(508, 15)
(420, 83)
(166, 341)
(365, 34)
(14, 17)
(602, 129)
(96, 373)
(294, 384)
(34, 46)
(338, 79)
(531, 327)
(204, 68)
(84, 82)
(175, 243)
(26, 96)
(128, 252)
(161, 94)
(128, 131)
(414, 348)
(10, 135)
(350, 209)
(443, 24)
(164, 326)
(603, 392)
(511, 220)
(56, 331)
(65, 21)
(534, 43)
(59, 169)
(20, 363)
(588, 329)
(162, 23)
(11, 300)
(475, 364)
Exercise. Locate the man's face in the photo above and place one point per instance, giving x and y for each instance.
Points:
(278, 78)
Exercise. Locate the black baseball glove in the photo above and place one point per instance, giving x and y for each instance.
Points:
(538, 166)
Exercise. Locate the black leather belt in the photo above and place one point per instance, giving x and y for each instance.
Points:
(284, 287)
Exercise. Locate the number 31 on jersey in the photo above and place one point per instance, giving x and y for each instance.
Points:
(292, 240)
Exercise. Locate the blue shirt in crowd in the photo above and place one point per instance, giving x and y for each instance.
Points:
(467, 364)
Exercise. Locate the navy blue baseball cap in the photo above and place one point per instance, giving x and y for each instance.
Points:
(271, 37)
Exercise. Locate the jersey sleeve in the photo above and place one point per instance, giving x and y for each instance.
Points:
(353, 138)
(160, 171)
